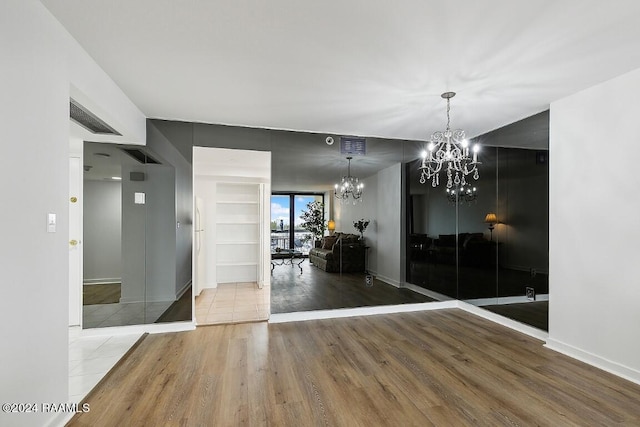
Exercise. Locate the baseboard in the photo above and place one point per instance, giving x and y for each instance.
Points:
(525, 268)
(504, 321)
(505, 300)
(302, 316)
(182, 290)
(426, 292)
(131, 300)
(146, 299)
(61, 419)
(614, 368)
(387, 280)
(102, 281)
(151, 328)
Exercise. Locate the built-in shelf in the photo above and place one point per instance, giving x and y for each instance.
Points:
(236, 243)
(237, 202)
(235, 264)
(237, 222)
(238, 231)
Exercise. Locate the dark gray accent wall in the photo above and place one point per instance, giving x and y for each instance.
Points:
(170, 154)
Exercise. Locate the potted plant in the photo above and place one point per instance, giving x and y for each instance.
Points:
(361, 225)
(313, 219)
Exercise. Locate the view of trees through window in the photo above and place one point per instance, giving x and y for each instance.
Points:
(286, 209)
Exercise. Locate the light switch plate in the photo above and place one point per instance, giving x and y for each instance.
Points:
(51, 223)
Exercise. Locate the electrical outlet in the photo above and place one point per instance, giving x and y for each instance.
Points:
(531, 293)
(368, 280)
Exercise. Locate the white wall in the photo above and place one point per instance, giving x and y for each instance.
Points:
(388, 225)
(381, 202)
(593, 225)
(35, 81)
(102, 231)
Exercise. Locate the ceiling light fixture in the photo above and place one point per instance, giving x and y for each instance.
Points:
(449, 149)
(349, 186)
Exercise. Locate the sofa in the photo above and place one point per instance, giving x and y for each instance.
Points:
(328, 252)
(472, 248)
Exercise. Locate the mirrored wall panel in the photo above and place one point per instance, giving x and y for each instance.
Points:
(129, 248)
(351, 226)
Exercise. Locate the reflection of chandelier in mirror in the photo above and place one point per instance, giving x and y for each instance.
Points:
(451, 150)
(462, 194)
(349, 186)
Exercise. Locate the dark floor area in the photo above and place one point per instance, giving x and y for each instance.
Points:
(314, 289)
(179, 311)
(475, 282)
(535, 313)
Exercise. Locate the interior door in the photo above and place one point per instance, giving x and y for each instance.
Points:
(75, 241)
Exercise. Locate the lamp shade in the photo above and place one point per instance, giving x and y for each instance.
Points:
(331, 225)
(491, 218)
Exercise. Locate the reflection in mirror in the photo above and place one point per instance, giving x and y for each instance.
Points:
(128, 222)
(344, 268)
(490, 249)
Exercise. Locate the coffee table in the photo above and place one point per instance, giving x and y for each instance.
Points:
(286, 256)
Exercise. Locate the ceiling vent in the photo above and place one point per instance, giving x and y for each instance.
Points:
(141, 156)
(88, 120)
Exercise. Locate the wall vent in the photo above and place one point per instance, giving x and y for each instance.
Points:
(141, 156)
(88, 120)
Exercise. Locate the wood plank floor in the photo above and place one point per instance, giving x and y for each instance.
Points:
(443, 367)
(105, 293)
(534, 313)
(315, 289)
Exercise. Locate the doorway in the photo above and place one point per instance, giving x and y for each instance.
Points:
(231, 235)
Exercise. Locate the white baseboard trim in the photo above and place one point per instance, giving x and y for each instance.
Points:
(505, 300)
(131, 300)
(504, 321)
(387, 280)
(614, 368)
(102, 281)
(360, 311)
(151, 328)
(426, 292)
(61, 419)
(182, 290)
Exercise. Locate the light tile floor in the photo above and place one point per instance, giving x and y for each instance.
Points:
(90, 358)
(233, 303)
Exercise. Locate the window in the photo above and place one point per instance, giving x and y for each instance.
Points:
(286, 224)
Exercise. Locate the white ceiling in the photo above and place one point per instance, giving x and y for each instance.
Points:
(354, 67)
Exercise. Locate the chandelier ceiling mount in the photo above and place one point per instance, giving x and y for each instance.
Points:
(449, 149)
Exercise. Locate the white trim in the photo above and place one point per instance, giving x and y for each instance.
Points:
(594, 360)
(505, 300)
(504, 321)
(183, 290)
(386, 280)
(426, 292)
(102, 281)
(360, 311)
(60, 419)
(151, 328)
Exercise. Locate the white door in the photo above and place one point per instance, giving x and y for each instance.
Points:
(199, 247)
(75, 242)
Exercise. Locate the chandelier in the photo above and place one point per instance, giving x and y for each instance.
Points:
(349, 186)
(449, 149)
(462, 194)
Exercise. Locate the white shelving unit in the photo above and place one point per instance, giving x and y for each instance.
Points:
(238, 236)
